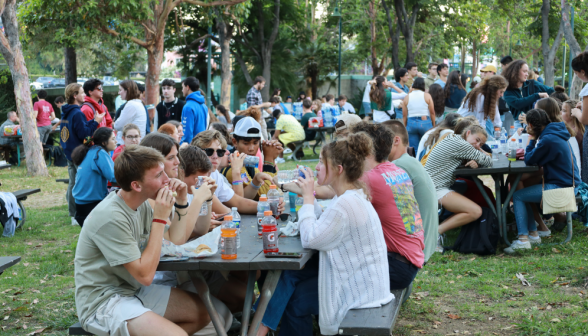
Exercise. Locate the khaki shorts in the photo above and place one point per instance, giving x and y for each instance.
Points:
(112, 316)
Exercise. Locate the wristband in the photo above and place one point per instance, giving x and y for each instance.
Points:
(160, 221)
(269, 163)
(210, 200)
(255, 186)
(181, 206)
(237, 182)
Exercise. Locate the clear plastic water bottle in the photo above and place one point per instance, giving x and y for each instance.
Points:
(512, 149)
(328, 118)
(237, 222)
(503, 144)
(269, 233)
(336, 112)
(511, 131)
(494, 146)
(262, 206)
(204, 208)
(520, 143)
(273, 198)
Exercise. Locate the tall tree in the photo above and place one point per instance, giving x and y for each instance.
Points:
(394, 36)
(547, 50)
(406, 23)
(11, 49)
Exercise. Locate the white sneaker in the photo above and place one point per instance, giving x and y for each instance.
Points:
(74, 222)
(544, 233)
(439, 247)
(287, 151)
(535, 240)
(518, 245)
(291, 157)
(280, 160)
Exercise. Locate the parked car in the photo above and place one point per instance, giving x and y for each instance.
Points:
(110, 80)
(48, 82)
(59, 82)
(37, 86)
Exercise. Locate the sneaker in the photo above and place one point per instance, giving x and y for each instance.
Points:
(518, 245)
(549, 222)
(291, 157)
(440, 244)
(287, 151)
(74, 222)
(280, 160)
(544, 233)
(535, 240)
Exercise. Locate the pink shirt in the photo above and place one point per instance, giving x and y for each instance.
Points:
(44, 109)
(393, 198)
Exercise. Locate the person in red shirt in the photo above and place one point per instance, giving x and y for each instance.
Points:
(43, 112)
(94, 104)
(392, 195)
(131, 136)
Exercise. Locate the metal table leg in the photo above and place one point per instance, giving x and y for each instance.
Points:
(485, 195)
(204, 293)
(269, 286)
(513, 188)
(248, 303)
(497, 187)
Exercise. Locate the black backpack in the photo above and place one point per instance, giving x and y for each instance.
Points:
(480, 236)
(59, 159)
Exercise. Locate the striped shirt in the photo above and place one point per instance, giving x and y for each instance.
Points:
(448, 155)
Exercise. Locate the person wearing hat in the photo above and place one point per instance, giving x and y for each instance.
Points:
(488, 71)
(344, 123)
(247, 139)
(288, 131)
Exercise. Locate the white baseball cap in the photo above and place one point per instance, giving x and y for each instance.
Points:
(248, 128)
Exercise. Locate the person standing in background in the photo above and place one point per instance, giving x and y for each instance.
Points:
(43, 113)
(402, 77)
(195, 112)
(430, 80)
(442, 73)
(133, 111)
(455, 92)
(413, 72)
(418, 112)
(141, 88)
(170, 108)
(254, 98)
(94, 102)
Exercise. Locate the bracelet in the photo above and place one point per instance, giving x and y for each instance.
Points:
(237, 182)
(269, 163)
(210, 200)
(255, 186)
(160, 221)
(282, 187)
(181, 206)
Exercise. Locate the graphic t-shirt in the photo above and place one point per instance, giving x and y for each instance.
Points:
(44, 109)
(393, 198)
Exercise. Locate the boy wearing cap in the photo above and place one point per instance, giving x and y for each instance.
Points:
(488, 71)
(247, 139)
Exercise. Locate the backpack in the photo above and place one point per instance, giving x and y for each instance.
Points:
(59, 159)
(480, 236)
(426, 156)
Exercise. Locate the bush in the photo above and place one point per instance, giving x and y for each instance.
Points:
(7, 98)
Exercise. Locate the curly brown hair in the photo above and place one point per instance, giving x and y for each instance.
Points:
(350, 153)
(382, 138)
(252, 112)
(438, 95)
(511, 73)
(489, 89)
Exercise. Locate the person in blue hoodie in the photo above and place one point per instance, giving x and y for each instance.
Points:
(521, 93)
(195, 112)
(74, 129)
(548, 148)
(95, 170)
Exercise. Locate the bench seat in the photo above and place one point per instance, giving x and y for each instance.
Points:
(21, 195)
(77, 329)
(373, 321)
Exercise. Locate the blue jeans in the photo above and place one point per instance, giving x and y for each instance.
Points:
(297, 319)
(367, 108)
(416, 128)
(401, 274)
(289, 281)
(522, 200)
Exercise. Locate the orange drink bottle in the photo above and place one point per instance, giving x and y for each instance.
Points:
(228, 239)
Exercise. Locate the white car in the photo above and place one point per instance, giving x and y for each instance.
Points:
(37, 86)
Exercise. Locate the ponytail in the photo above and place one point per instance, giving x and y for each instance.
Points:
(100, 138)
(377, 92)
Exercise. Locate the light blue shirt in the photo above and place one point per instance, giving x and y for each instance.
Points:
(440, 82)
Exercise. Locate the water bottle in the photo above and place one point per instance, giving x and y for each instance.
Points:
(520, 143)
(299, 203)
(292, 197)
(273, 198)
(262, 206)
(328, 118)
(494, 146)
(252, 162)
(204, 208)
(228, 239)
(237, 222)
(336, 112)
(269, 233)
(503, 148)
(512, 149)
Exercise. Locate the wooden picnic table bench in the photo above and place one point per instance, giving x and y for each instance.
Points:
(6, 262)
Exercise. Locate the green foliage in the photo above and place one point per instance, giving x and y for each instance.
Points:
(7, 99)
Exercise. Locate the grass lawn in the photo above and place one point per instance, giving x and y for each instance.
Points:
(453, 294)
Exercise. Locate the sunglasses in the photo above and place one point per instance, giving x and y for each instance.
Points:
(210, 152)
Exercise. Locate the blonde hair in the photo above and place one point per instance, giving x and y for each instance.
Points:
(252, 112)
(203, 139)
(129, 127)
(71, 91)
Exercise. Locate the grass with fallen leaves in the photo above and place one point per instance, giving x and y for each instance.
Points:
(453, 294)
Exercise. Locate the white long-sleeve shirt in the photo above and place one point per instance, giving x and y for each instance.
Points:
(132, 113)
(353, 267)
(465, 111)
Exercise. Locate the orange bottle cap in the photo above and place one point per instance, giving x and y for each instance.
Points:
(511, 126)
(229, 218)
(272, 186)
(263, 199)
(267, 213)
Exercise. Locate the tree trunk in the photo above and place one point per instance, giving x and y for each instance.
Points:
(567, 28)
(406, 23)
(548, 52)
(71, 65)
(11, 49)
(267, 75)
(394, 36)
(225, 33)
(313, 87)
(474, 59)
(154, 60)
(463, 55)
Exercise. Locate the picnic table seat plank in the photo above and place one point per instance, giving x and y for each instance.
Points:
(22, 195)
(372, 321)
(6, 262)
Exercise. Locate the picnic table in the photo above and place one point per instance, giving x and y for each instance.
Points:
(500, 166)
(250, 258)
(19, 138)
(5, 166)
(6, 262)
